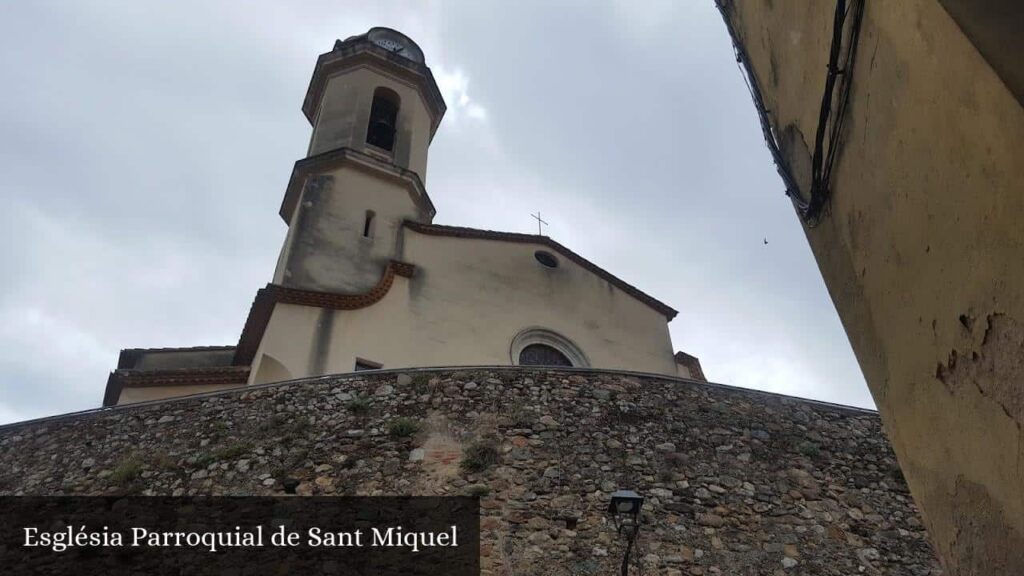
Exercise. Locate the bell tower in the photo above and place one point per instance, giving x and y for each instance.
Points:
(374, 107)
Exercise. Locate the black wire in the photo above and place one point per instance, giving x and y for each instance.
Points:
(851, 57)
(817, 185)
(743, 62)
(823, 158)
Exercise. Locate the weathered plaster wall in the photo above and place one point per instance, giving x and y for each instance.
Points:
(737, 482)
(325, 249)
(921, 248)
(464, 305)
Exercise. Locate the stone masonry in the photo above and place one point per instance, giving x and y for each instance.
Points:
(736, 482)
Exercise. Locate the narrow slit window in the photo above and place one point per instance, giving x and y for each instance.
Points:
(369, 223)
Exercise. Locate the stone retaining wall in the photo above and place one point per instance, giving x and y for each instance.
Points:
(737, 482)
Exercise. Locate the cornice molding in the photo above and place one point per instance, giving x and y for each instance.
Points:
(205, 376)
(255, 327)
(339, 157)
(267, 298)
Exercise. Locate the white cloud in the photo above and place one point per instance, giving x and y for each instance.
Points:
(63, 361)
(78, 295)
(454, 86)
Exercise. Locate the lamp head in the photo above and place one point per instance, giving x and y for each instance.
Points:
(625, 503)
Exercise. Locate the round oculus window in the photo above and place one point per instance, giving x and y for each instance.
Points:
(546, 258)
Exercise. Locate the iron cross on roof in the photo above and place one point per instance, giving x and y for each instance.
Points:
(539, 223)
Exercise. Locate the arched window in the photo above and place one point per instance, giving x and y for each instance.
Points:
(542, 355)
(383, 119)
(542, 347)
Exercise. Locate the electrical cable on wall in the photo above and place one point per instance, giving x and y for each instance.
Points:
(830, 121)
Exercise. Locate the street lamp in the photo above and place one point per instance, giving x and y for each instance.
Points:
(624, 508)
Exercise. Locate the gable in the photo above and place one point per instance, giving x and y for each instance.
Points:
(549, 244)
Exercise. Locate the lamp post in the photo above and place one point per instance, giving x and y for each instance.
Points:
(624, 508)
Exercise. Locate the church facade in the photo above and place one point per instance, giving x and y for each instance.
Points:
(365, 280)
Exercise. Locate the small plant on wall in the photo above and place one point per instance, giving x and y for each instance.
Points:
(479, 456)
(125, 473)
(359, 405)
(403, 427)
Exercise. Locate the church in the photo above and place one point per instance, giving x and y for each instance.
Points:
(365, 280)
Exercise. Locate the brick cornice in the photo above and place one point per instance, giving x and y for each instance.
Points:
(268, 297)
(205, 376)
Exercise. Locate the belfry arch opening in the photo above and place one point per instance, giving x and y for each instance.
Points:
(383, 126)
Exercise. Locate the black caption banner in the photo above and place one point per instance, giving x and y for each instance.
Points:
(240, 535)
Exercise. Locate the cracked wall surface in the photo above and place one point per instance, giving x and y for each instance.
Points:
(998, 360)
(920, 247)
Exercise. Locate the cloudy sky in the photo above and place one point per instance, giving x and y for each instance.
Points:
(146, 146)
